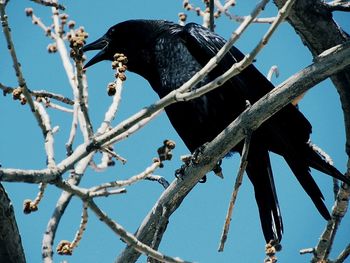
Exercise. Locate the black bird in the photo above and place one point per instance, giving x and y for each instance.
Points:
(167, 55)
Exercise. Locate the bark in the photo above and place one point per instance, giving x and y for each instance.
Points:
(11, 250)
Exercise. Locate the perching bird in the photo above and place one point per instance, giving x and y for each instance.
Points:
(167, 55)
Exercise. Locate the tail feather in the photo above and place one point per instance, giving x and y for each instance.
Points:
(260, 174)
(301, 171)
(318, 162)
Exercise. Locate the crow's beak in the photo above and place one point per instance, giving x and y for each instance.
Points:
(99, 44)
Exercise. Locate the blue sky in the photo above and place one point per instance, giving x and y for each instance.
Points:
(194, 230)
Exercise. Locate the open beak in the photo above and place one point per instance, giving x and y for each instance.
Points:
(99, 44)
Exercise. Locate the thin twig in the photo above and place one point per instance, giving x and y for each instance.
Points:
(138, 125)
(68, 67)
(149, 170)
(62, 203)
(65, 247)
(131, 239)
(115, 227)
(307, 251)
(48, 135)
(37, 21)
(51, 95)
(114, 154)
(339, 209)
(49, 3)
(105, 192)
(39, 94)
(30, 206)
(339, 6)
(49, 104)
(83, 96)
(238, 182)
(82, 227)
(343, 255)
(18, 70)
(159, 179)
(273, 70)
(225, 10)
(211, 15)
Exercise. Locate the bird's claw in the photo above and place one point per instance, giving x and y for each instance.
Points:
(195, 158)
(191, 159)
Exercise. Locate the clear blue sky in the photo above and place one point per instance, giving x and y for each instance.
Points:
(194, 230)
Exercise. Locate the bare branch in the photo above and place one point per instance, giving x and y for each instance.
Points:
(49, 3)
(52, 225)
(61, 206)
(211, 15)
(32, 206)
(105, 192)
(39, 93)
(46, 94)
(65, 247)
(159, 179)
(115, 227)
(28, 176)
(343, 255)
(37, 21)
(338, 6)
(339, 209)
(273, 70)
(21, 81)
(242, 168)
(149, 170)
(49, 104)
(240, 19)
(131, 239)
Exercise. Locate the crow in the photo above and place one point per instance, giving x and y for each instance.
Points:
(167, 55)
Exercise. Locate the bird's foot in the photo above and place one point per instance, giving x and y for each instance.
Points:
(188, 160)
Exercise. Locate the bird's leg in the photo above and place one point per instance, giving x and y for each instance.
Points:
(189, 160)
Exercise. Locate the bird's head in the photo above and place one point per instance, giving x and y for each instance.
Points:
(133, 38)
(113, 41)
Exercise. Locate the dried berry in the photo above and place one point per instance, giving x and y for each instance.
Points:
(71, 24)
(52, 48)
(111, 89)
(16, 93)
(23, 100)
(64, 248)
(122, 76)
(182, 17)
(28, 11)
